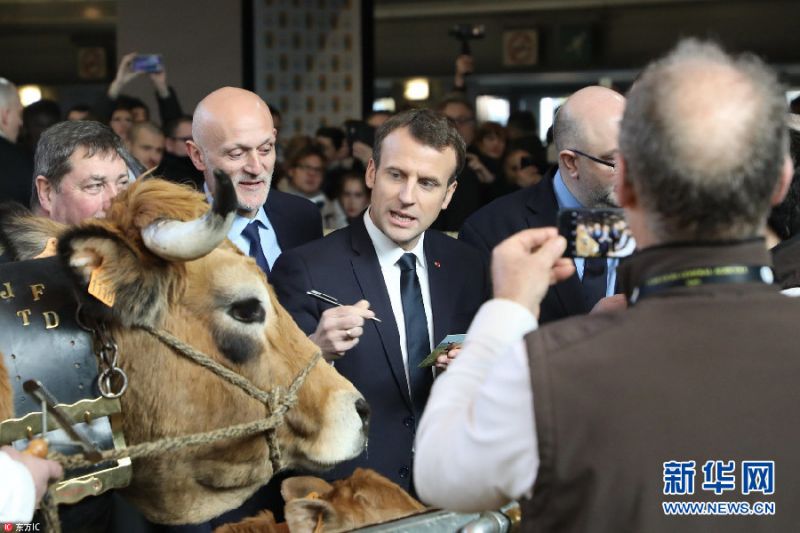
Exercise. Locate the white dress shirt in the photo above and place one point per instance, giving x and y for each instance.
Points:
(476, 445)
(269, 241)
(17, 493)
(389, 253)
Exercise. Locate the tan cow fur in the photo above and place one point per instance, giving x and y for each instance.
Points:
(169, 395)
(6, 392)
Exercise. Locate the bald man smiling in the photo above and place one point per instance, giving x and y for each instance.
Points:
(233, 130)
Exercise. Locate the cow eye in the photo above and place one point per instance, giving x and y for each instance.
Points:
(248, 311)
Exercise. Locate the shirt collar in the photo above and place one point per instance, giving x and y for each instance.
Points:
(239, 222)
(565, 199)
(387, 250)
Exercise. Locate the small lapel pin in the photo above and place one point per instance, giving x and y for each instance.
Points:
(437, 264)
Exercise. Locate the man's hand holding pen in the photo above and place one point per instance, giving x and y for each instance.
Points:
(340, 327)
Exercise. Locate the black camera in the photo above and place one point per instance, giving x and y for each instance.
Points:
(466, 33)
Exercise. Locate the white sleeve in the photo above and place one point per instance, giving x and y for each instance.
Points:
(476, 445)
(17, 492)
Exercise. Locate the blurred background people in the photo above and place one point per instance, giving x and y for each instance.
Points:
(16, 166)
(146, 144)
(176, 165)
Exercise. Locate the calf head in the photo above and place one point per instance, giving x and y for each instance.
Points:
(162, 255)
(364, 498)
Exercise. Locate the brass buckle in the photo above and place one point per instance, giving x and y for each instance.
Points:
(75, 489)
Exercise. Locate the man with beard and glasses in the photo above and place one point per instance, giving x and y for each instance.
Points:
(585, 133)
(233, 130)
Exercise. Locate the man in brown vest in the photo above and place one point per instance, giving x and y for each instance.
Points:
(682, 407)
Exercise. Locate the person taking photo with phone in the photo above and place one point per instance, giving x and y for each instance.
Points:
(113, 102)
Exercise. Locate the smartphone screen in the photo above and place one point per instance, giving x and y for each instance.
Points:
(147, 63)
(596, 233)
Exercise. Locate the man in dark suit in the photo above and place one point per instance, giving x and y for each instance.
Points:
(585, 132)
(16, 166)
(421, 284)
(232, 130)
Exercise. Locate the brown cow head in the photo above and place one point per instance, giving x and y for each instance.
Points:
(162, 253)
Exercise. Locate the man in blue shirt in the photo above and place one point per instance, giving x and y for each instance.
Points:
(585, 133)
(233, 130)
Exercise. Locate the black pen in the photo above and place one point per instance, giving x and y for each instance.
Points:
(331, 300)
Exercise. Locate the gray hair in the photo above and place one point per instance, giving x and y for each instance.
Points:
(8, 93)
(427, 127)
(59, 142)
(704, 140)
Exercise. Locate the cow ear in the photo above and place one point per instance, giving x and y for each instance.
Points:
(111, 278)
(297, 487)
(24, 236)
(306, 514)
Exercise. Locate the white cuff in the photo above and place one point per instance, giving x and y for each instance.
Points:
(17, 492)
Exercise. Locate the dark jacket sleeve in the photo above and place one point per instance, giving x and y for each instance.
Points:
(470, 235)
(313, 224)
(291, 279)
(169, 108)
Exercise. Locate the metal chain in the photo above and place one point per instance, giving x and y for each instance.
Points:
(112, 381)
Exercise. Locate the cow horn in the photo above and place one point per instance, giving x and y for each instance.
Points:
(175, 240)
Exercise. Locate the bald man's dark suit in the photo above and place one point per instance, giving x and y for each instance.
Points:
(531, 207)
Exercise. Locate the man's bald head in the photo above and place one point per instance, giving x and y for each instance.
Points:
(232, 130)
(587, 115)
(704, 143)
(228, 103)
(586, 130)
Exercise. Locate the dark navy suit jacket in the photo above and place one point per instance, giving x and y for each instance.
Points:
(296, 220)
(344, 265)
(531, 207)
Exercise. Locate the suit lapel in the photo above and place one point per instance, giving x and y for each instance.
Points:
(543, 211)
(368, 275)
(277, 218)
(441, 276)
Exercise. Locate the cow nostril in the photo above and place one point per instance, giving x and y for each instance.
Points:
(362, 408)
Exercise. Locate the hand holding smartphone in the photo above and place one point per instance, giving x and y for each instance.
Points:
(149, 63)
(596, 233)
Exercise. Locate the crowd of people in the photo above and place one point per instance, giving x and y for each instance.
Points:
(581, 380)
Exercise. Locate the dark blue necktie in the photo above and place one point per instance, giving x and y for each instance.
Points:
(594, 280)
(417, 341)
(250, 232)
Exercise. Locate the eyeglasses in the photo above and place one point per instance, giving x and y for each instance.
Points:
(611, 164)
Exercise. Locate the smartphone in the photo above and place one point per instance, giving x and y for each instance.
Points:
(596, 233)
(147, 63)
(358, 130)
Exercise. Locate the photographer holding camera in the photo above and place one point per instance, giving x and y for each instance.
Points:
(584, 418)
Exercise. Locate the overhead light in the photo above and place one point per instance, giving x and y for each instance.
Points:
(384, 104)
(417, 89)
(29, 94)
